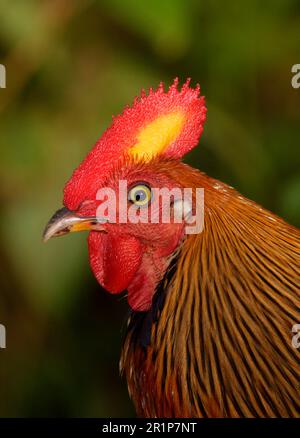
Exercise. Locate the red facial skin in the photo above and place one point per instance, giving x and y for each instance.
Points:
(130, 256)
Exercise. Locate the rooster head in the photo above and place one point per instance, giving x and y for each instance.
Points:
(110, 192)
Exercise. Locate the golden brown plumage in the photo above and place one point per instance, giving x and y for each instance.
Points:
(220, 328)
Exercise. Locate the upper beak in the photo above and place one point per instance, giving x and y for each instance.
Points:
(65, 221)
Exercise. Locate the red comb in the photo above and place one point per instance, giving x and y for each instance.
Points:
(123, 134)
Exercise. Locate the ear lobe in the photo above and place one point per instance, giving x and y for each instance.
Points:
(183, 208)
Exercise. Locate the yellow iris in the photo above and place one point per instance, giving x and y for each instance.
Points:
(140, 195)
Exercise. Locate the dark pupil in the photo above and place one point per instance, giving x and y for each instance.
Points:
(140, 196)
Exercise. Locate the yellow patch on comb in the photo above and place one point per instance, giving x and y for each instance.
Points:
(154, 138)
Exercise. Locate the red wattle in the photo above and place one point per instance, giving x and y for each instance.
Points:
(114, 260)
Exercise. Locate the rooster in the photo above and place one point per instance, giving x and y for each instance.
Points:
(212, 313)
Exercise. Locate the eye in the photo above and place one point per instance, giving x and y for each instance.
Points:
(140, 195)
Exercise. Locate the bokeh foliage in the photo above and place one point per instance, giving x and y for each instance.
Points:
(70, 66)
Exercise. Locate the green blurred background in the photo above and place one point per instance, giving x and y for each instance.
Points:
(70, 66)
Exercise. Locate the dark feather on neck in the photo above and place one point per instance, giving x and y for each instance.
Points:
(140, 323)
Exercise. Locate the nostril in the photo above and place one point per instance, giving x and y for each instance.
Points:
(86, 208)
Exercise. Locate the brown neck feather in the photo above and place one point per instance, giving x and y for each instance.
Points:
(220, 344)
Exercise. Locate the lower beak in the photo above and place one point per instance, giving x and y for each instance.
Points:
(65, 221)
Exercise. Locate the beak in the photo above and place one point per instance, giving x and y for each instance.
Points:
(65, 221)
